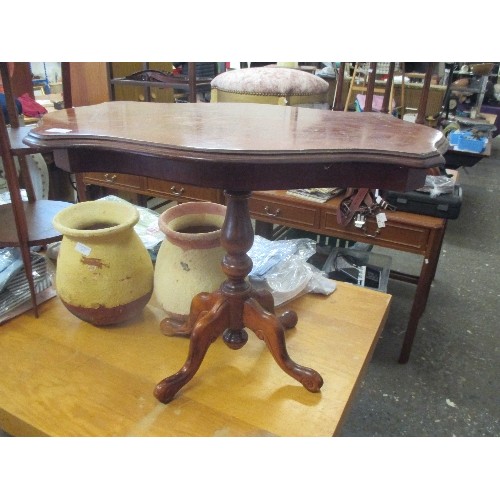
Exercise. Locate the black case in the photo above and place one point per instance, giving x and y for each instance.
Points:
(446, 206)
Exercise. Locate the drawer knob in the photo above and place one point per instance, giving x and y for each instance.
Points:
(176, 192)
(272, 214)
(110, 177)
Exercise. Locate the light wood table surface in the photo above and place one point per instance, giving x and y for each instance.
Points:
(63, 377)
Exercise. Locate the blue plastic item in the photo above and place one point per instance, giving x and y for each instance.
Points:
(465, 141)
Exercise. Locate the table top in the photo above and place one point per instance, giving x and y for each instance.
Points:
(245, 146)
(64, 377)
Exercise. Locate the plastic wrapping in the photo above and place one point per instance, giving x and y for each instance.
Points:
(14, 287)
(438, 184)
(265, 254)
(281, 267)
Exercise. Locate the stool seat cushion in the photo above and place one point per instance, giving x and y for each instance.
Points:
(270, 81)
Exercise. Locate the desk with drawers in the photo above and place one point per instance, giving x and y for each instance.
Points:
(407, 232)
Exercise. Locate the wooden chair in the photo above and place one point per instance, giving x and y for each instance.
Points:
(24, 224)
(355, 198)
(387, 91)
(364, 81)
(421, 111)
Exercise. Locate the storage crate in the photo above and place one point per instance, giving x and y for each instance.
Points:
(465, 141)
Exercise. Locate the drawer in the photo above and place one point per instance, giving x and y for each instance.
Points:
(283, 213)
(399, 236)
(184, 192)
(115, 180)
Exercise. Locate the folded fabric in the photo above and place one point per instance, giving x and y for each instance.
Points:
(30, 107)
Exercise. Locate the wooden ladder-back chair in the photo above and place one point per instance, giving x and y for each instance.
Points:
(355, 198)
(364, 80)
(371, 89)
(24, 224)
(426, 79)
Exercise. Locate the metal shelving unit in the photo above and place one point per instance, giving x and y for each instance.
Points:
(189, 83)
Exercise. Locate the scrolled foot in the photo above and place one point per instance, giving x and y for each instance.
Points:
(165, 391)
(269, 329)
(310, 379)
(175, 327)
(208, 327)
(288, 319)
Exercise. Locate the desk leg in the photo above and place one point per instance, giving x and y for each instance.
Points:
(233, 307)
(81, 188)
(424, 283)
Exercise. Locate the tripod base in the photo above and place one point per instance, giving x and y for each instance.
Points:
(210, 317)
(233, 307)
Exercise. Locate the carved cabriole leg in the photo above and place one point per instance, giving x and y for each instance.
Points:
(288, 319)
(226, 313)
(231, 308)
(202, 302)
(269, 329)
(207, 329)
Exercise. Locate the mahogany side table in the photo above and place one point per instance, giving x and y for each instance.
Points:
(240, 148)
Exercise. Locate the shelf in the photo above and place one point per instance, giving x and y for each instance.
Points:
(16, 136)
(472, 90)
(23, 224)
(39, 215)
(149, 78)
(175, 82)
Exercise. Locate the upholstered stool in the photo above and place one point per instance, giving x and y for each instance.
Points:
(270, 85)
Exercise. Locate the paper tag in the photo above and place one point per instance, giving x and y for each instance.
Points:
(361, 275)
(381, 219)
(83, 249)
(59, 130)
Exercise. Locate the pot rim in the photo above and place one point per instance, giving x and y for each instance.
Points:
(207, 239)
(129, 218)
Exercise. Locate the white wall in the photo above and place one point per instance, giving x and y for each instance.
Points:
(53, 70)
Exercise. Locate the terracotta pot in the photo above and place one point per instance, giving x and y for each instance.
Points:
(104, 272)
(189, 259)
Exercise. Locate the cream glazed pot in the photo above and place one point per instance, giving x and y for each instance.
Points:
(104, 272)
(189, 259)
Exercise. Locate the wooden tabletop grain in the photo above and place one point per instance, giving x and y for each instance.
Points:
(242, 146)
(64, 377)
